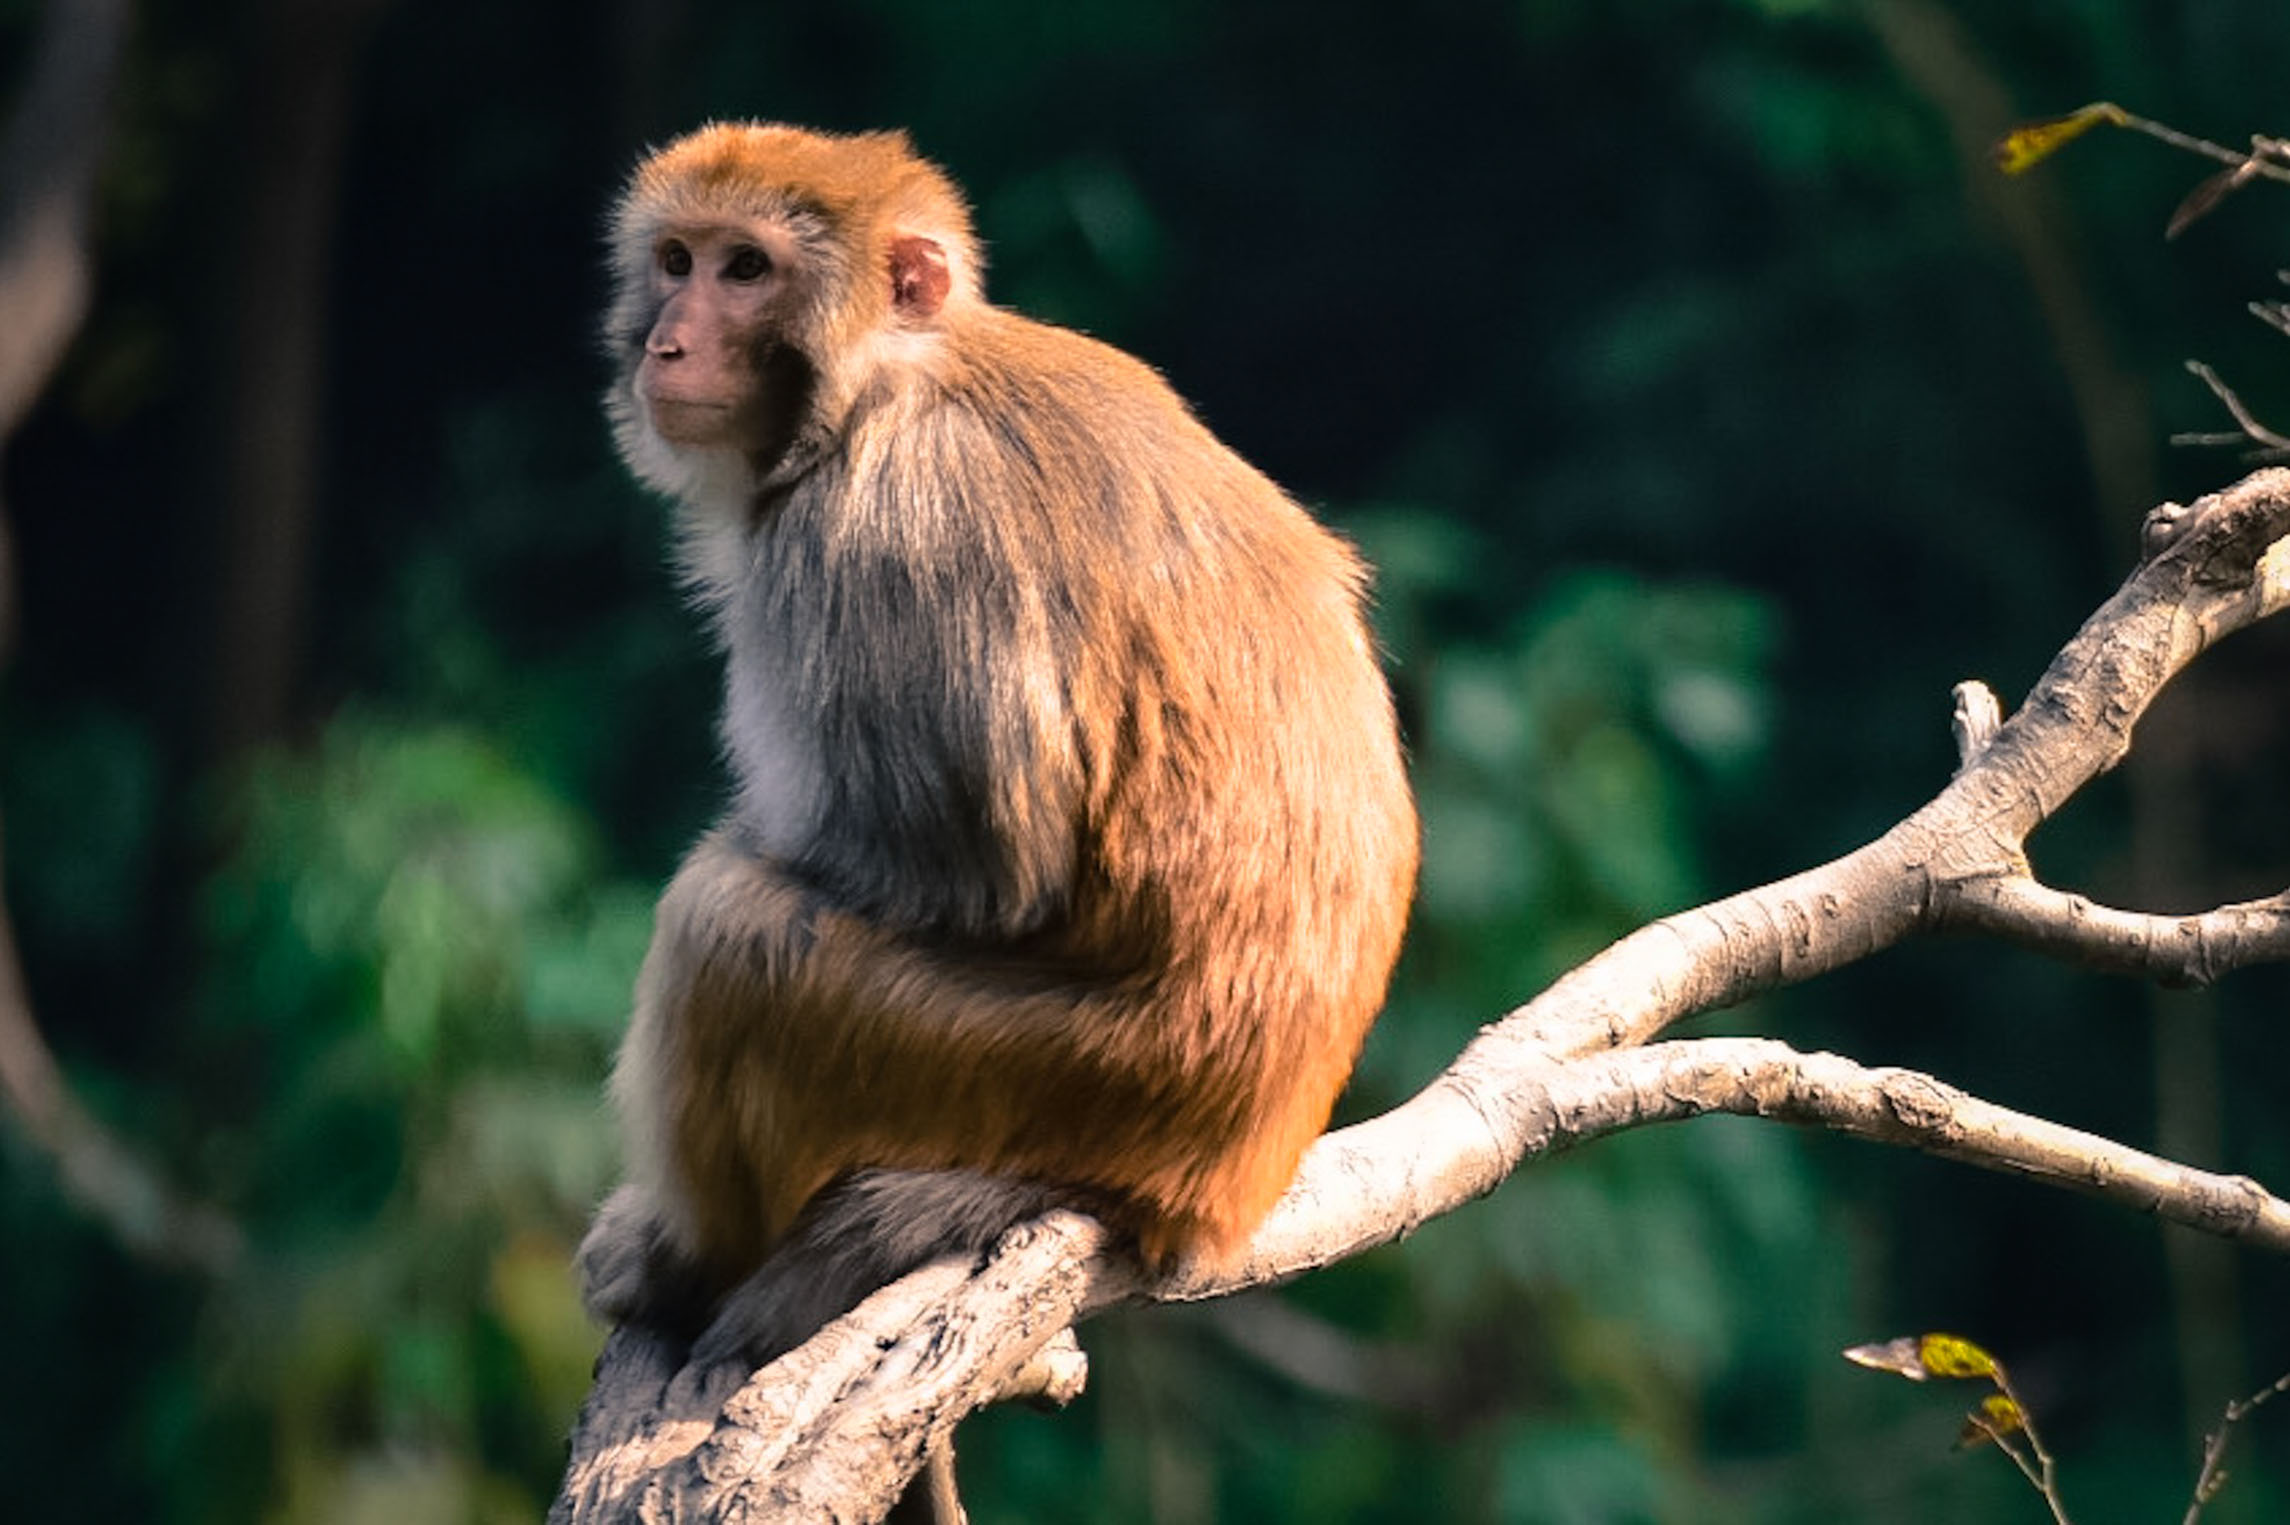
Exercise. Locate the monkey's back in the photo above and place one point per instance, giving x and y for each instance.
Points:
(1080, 707)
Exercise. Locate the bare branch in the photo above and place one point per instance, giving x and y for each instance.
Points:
(2274, 446)
(1977, 716)
(1759, 1077)
(2276, 314)
(2171, 950)
(1378, 1181)
(2213, 1474)
(2233, 403)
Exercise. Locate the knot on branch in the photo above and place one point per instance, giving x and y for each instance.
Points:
(2219, 539)
(1974, 720)
(1920, 1103)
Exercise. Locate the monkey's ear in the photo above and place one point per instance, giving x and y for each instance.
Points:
(920, 277)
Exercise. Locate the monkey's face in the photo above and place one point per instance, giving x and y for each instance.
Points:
(715, 369)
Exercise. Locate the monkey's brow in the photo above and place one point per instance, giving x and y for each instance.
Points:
(812, 226)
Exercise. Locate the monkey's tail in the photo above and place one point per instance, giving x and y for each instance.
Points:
(864, 1232)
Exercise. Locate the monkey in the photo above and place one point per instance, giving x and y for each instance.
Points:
(1069, 844)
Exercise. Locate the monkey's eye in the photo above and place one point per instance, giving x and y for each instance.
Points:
(748, 263)
(675, 259)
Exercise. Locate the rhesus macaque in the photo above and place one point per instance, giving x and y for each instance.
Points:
(1071, 845)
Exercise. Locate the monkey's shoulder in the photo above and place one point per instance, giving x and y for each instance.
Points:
(1099, 445)
(1017, 369)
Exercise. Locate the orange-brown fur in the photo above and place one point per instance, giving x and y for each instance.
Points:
(1074, 843)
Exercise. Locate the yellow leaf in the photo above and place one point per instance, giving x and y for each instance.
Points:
(1952, 1355)
(2026, 147)
(1997, 1417)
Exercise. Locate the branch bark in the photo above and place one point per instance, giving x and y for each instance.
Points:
(832, 1430)
(1757, 1077)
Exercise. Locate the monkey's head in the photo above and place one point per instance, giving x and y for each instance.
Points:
(764, 277)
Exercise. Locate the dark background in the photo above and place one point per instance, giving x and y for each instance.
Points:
(1711, 406)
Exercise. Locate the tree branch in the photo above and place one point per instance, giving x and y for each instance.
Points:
(2171, 950)
(1758, 1077)
(2229, 399)
(831, 1430)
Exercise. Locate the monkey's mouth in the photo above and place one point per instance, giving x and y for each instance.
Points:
(691, 420)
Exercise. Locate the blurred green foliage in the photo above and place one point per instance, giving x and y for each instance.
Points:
(1707, 418)
(421, 968)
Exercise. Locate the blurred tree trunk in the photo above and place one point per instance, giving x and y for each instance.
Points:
(277, 260)
(47, 189)
(48, 161)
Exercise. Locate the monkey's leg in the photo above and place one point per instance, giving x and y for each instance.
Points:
(814, 1093)
(865, 1232)
(644, 1257)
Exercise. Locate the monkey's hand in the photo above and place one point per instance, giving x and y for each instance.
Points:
(631, 1273)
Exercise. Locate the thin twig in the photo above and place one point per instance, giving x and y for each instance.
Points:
(2266, 158)
(2233, 404)
(2044, 1475)
(2209, 1480)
